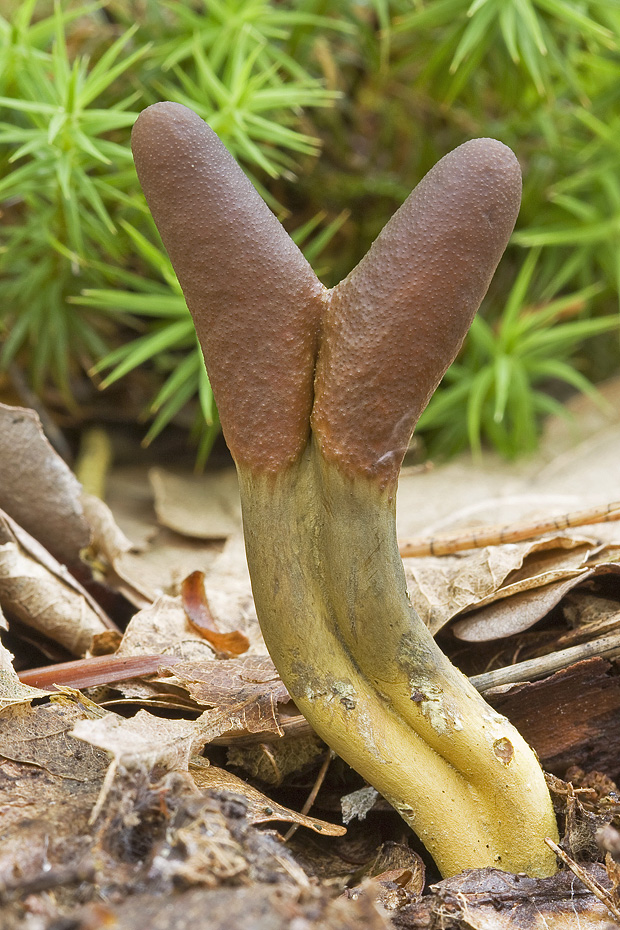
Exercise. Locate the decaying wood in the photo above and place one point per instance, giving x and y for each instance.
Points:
(571, 718)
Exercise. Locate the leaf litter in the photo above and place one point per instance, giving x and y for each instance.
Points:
(156, 786)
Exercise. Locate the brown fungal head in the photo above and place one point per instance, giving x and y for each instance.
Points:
(389, 331)
(396, 323)
(255, 300)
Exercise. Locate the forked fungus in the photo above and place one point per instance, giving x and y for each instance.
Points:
(318, 392)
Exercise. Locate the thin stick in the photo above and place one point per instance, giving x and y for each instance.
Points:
(448, 543)
(98, 670)
(591, 883)
(607, 647)
(320, 778)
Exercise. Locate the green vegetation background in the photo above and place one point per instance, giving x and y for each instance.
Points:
(336, 110)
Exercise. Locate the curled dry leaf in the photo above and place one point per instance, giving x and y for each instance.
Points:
(44, 603)
(42, 593)
(229, 592)
(518, 606)
(160, 558)
(589, 617)
(201, 619)
(396, 876)
(514, 614)
(38, 489)
(260, 808)
(107, 539)
(442, 587)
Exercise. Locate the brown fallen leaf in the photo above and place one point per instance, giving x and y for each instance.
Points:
(229, 592)
(202, 506)
(514, 614)
(201, 619)
(48, 787)
(243, 694)
(42, 593)
(159, 558)
(162, 629)
(396, 875)
(260, 808)
(108, 542)
(516, 607)
(217, 683)
(442, 587)
(589, 616)
(38, 489)
(143, 740)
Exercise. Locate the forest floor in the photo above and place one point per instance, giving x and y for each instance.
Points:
(154, 772)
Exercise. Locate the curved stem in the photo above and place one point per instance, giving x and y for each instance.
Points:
(330, 591)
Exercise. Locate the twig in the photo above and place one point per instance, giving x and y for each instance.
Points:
(448, 543)
(98, 670)
(594, 886)
(606, 647)
(320, 778)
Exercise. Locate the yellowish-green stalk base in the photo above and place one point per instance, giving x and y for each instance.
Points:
(331, 598)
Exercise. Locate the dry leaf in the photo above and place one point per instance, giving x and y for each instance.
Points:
(514, 614)
(517, 607)
(358, 804)
(38, 489)
(201, 506)
(229, 592)
(260, 808)
(271, 761)
(41, 736)
(589, 617)
(244, 694)
(48, 787)
(12, 691)
(444, 586)
(53, 605)
(162, 629)
(159, 559)
(143, 740)
(201, 619)
(230, 682)
(107, 538)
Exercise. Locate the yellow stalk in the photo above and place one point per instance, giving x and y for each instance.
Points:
(330, 592)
